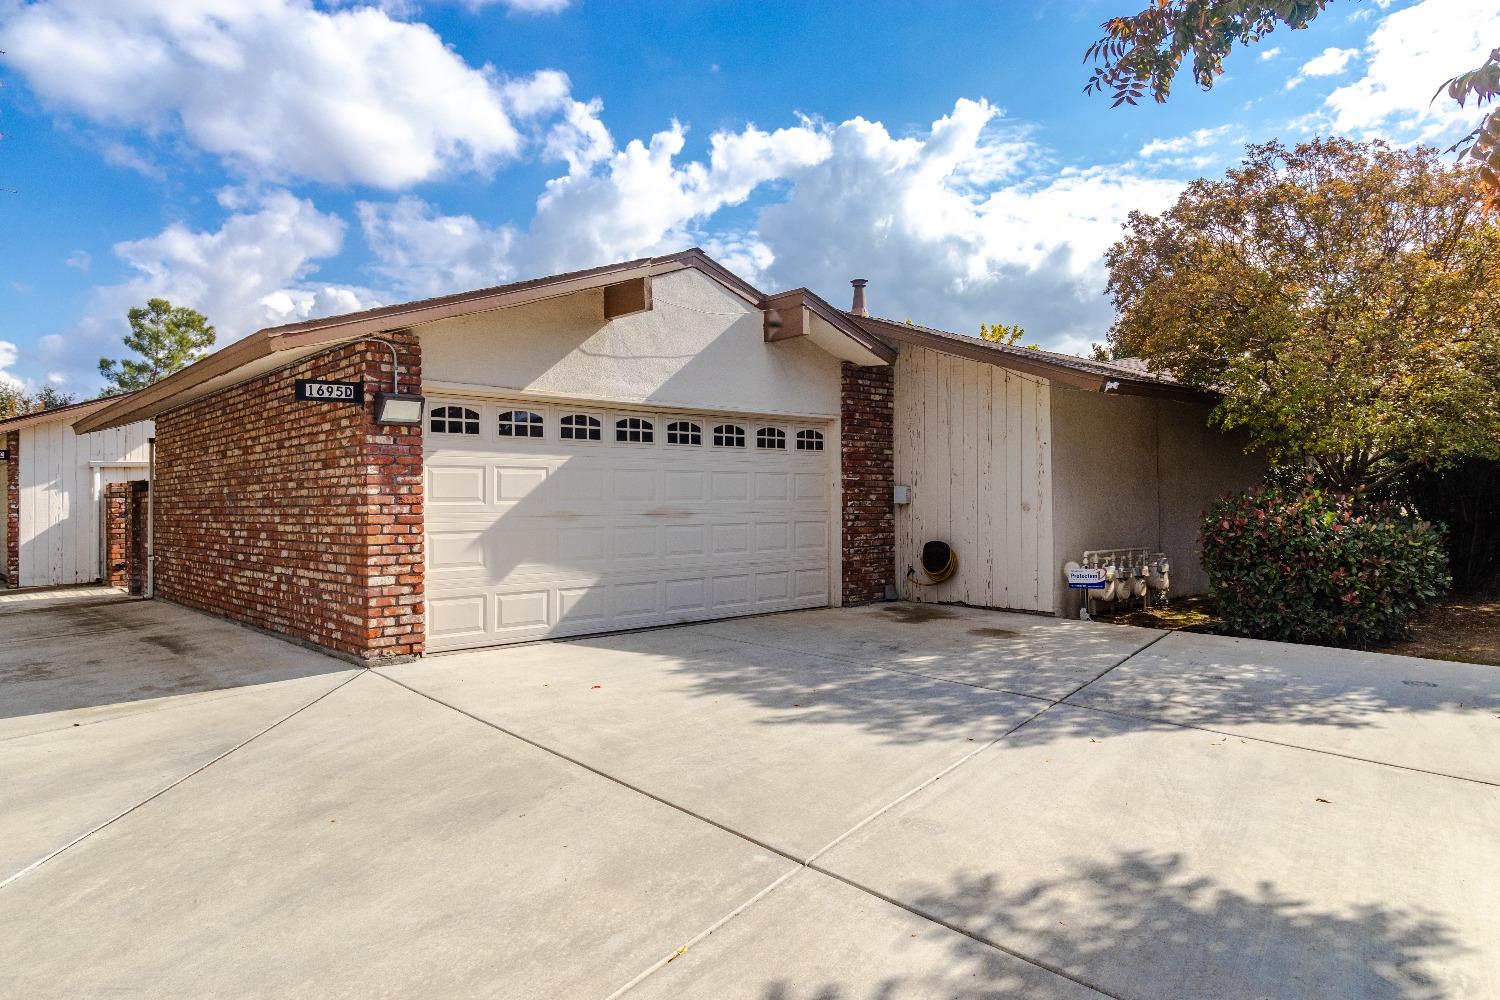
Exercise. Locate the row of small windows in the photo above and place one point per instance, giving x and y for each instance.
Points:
(632, 430)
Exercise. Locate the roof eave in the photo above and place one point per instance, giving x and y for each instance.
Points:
(1037, 365)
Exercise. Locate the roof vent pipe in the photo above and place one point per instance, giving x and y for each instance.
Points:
(858, 308)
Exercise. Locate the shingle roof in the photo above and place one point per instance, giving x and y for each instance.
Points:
(1131, 368)
(1129, 377)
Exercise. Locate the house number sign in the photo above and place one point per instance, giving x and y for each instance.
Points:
(314, 391)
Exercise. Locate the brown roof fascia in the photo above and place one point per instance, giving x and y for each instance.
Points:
(74, 410)
(835, 317)
(1030, 363)
(369, 322)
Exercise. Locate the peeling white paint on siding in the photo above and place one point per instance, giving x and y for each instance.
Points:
(974, 443)
(61, 493)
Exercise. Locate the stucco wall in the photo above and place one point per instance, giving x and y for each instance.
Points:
(700, 346)
(1130, 470)
(973, 443)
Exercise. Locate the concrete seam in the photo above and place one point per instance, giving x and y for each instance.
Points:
(799, 862)
(168, 787)
(809, 864)
(1045, 966)
(1277, 743)
(705, 933)
(1112, 667)
(590, 768)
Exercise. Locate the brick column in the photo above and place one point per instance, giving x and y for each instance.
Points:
(116, 528)
(13, 509)
(302, 518)
(867, 452)
(137, 509)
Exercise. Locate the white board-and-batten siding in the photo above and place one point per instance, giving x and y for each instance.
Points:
(61, 493)
(973, 442)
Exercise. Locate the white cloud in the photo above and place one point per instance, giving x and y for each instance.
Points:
(1411, 53)
(614, 204)
(1331, 62)
(1028, 252)
(80, 260)
(1267, 55)
(277, 88)
(9, 353)
(521, 6)
(256, 270)
(1197, 139)
(957, 226)
(423, 253)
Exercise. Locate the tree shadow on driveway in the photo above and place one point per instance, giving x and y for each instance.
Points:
(1141, 925)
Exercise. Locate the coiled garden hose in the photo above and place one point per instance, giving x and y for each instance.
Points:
(939, 562)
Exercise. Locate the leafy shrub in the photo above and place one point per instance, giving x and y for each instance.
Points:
(1303, 565)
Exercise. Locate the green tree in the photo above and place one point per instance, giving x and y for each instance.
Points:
(17, 401)
(1145, 51)
(1344, 298)
(1001, 333)
(167, 338)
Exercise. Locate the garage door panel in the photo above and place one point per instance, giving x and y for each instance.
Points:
(455, 550)
(634, 485)
(635, 542)
(460, 485)
(772, 536)
(548, 537)
(575, 482)
(582, 545)
(457, 617)
(522, 609)
(516, 483)
(681, 484)
(729, 487)
(684, 540)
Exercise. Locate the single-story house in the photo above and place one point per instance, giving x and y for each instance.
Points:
(648, 442)
(57, 486)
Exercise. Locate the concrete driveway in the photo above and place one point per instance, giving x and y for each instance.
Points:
(883, 802)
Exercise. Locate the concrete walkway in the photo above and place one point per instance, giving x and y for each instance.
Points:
(892, 801)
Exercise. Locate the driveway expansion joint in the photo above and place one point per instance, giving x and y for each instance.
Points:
(15, 876)
(1196, 727)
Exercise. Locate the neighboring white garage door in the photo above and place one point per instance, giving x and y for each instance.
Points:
(546, 519)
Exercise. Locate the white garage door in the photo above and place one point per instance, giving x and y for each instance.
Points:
(546, 519)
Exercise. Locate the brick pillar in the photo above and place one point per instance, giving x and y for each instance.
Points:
(867, 451)
(137, 509)
(116, 528)
(13, 509)
(302, 518)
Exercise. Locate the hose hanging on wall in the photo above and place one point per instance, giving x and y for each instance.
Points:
(939, 562)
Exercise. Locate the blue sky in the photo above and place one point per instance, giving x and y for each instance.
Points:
(271, 160)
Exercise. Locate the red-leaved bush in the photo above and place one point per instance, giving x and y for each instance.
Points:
(1303, 565)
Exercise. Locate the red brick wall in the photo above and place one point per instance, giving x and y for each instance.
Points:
(302, 518)
(136, 513)
(867, 415)
(12, 565)
(116, 524)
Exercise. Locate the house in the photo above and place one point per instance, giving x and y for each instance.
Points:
(648, 442)
(56, 486)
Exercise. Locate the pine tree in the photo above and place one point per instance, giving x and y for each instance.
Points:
(168, 338)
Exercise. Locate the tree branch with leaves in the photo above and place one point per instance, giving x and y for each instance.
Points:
(1143, 53)
(1343, 297)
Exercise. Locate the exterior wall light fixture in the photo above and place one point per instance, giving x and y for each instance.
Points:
(397, 408)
